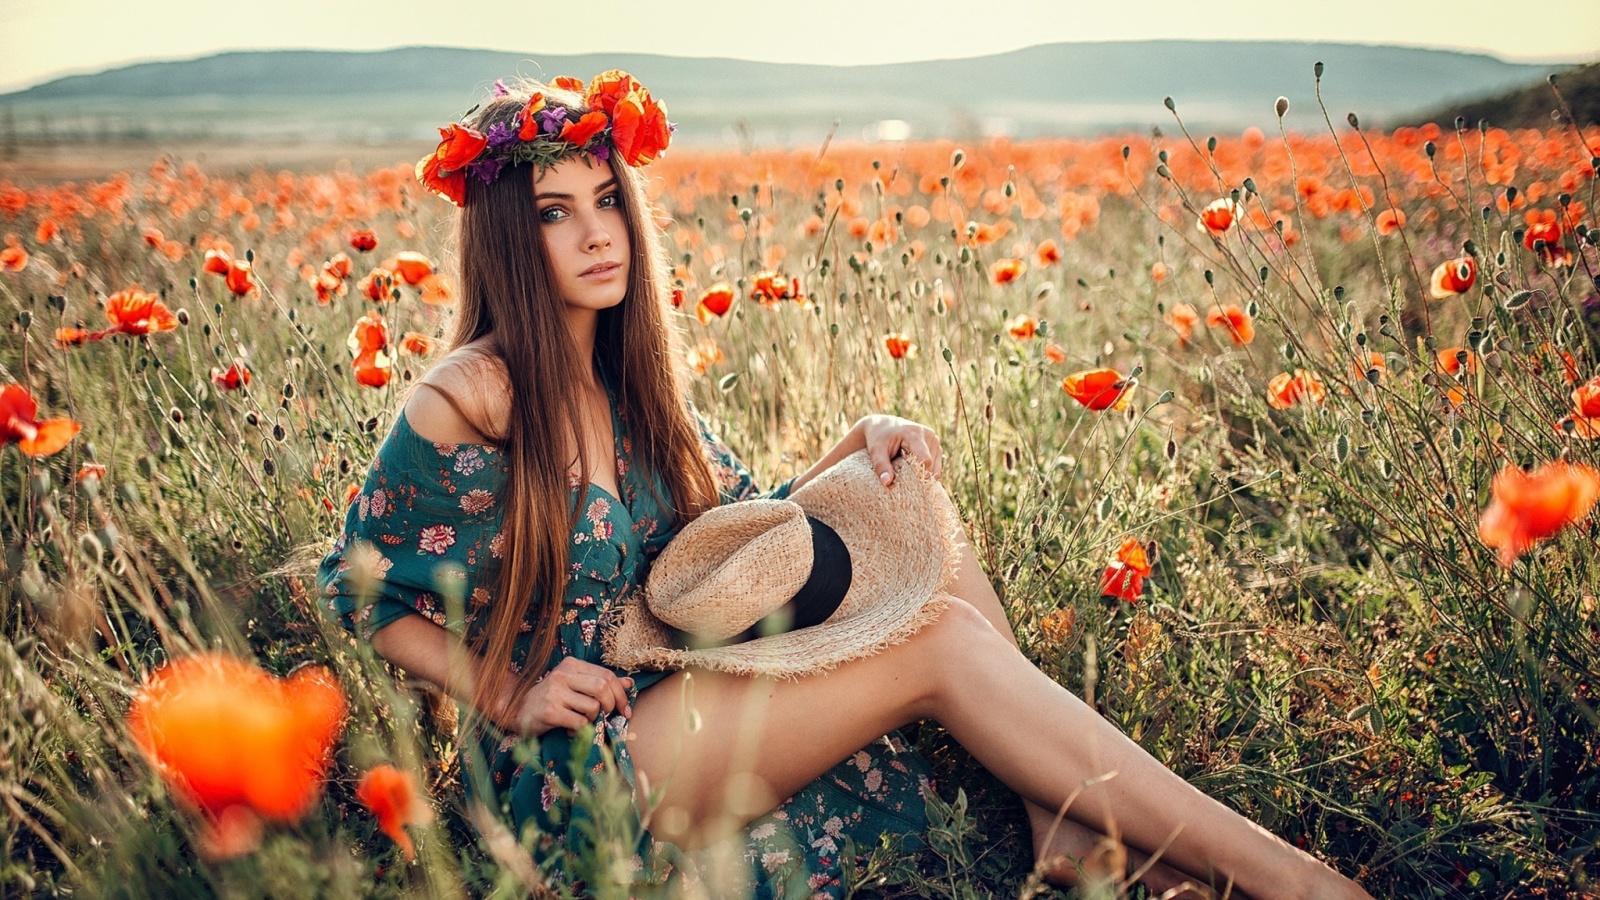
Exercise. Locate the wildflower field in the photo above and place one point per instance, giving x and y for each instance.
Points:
(1278, 447)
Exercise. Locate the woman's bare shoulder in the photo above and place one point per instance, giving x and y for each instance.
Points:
(463, 399)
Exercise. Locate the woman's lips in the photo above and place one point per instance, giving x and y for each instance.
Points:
(602, 271)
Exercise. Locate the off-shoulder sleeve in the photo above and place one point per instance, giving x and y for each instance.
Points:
(734, 480)
(423, 532)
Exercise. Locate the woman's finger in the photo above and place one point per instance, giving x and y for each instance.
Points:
(880, 452)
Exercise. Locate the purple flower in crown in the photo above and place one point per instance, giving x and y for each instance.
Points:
(500, 135)
(487, 169)
(500, 88)
(601, 151)
(551, 119)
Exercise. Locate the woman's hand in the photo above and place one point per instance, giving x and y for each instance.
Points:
(569, 696)
(889, 435)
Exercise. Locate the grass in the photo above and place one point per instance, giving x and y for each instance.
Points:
(1324, 643)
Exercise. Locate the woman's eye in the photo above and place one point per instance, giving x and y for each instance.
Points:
(551, 214)
(610, 201)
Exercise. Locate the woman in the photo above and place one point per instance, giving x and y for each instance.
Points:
(551, 455)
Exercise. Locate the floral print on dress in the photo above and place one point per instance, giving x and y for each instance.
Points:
(442, 501)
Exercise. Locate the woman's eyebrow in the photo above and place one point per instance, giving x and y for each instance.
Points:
(608, 185)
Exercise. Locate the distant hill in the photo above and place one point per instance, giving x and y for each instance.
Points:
(1533, 105)
(1076, 88)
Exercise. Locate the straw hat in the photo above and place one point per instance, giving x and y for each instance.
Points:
(784, 588)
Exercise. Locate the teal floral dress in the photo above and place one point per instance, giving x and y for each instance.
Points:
(423, 537)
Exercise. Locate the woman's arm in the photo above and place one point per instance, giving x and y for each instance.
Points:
(569, 695)
(882, 437)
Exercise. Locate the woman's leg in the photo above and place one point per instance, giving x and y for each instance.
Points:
(732, 748)
(1063, 848)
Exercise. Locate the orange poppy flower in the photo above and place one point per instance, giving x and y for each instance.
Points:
(1219, 216)
(1239, 324)
(1584, 422)
(1454, 276)
(1005, 271)
(416, 343)
(328, 287)
(218, 262)
(451, 186)
(458, 145)
(582, 131)
(1054, 353)
(393, 799)
(71, 337)
(1285, 390)
(1022, 326)
(1099, 389)
(568, 83)
(703, 355)
(90, 471)
(338, 265)
(371, 333)
(1057, 626)
(132, 311)
(46, 232)
(437, 290)
(13, 259)
(1451, 360)
(1569, 363)
(196, 718)
(1159, 272)
(18, 425)
(1124, 577)
(1528, 507)
(1374, 362)
(899, 345)
(377, 285)
(1390, 221)
(412, 266)
(231, 378)
(1047, 253)
(1183, 318)
(770, 289)
(714, 303)
(241, 278)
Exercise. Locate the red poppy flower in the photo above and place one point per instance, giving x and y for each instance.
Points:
(71, 337)
(639, 128)
(338, 265)
(1219, 216)
(437, 290)
(451, 186)
(363, 240)
(196, 719)
(90, 471)
(458, 146)
(715, 302)
(1124, 577)
(1550, 250)
(13, 259)
(412, 266)
(217, 262)
(18, 425)
(373, 369)
(608, 89)
(527, 122)
(1047, 253)
(1285, 390)
(241, 278)
(135, 312)
(1005, 271)
(1022, 326)
(580, 132)
(568, 83)
(1453, 277)
(1529, 507)
(1159, 271)
(231, 378)
(899, 345)
(1241, 328)
(1099, 389)
(1054, 353)
(370, 333)
(393, 799)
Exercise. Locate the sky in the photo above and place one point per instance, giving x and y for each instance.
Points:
(42, 39)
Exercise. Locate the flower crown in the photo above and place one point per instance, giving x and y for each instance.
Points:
(622, 117)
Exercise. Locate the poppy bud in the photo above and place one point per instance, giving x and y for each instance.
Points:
(1316, 70)
(1282, 106)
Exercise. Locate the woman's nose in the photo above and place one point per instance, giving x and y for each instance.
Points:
(599, 237)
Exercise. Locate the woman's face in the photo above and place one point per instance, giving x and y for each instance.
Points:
(584, 232)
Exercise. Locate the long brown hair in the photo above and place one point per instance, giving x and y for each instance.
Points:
(507, 289)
